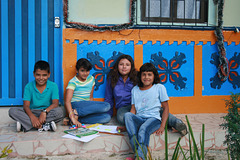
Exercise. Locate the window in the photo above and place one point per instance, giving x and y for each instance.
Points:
(172, 12)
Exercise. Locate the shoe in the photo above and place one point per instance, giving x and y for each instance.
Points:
(181, 127)
(48, 127)
(19, 126)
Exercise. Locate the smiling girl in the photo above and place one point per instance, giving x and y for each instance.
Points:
(144, 118)
(120, 81)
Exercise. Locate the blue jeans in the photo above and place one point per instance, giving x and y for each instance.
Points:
(90, 112)
(121, 112)
(139, 131)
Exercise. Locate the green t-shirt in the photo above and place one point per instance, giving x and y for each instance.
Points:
(40, 100)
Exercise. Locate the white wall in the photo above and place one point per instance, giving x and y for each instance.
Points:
(99, 11)
(231, 13)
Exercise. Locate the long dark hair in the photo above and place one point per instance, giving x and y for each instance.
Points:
(114, 74)
(148, 67)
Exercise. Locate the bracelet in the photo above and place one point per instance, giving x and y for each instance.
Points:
(72, 113)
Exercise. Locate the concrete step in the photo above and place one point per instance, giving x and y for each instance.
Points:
(34, 143)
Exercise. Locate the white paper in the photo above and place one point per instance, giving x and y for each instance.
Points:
(83, 139)
(105, 128)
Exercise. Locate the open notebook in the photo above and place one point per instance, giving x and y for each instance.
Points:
(80, 132)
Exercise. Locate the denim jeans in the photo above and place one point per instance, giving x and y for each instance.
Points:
(172, 120)
(90, 112)
(139, 131)
(121, 112)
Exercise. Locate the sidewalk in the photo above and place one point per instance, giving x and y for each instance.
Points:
(33, 144)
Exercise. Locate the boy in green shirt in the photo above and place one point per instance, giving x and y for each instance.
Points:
(40, 102)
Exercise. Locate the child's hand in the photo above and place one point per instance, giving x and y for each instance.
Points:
(160, 131)
(35, 122)
(42, 117)
(121, 129)
(76, 122)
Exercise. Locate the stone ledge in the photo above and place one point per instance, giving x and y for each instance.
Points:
(34, 143)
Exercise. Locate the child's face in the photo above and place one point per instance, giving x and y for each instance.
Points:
(124, 67)
(41, 77)
(147, 79)
(82, 74)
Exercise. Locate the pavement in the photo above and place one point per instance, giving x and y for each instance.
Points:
(51, 145)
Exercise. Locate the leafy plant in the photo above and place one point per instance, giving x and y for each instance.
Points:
(232, 124)
(6, 151)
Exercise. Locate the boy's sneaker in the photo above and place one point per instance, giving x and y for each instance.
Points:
(181, 127)
(20, 127)
(51, 126)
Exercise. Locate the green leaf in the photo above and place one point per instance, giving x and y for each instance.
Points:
(194, 142)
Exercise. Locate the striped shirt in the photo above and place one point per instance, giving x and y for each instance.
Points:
(82, 90)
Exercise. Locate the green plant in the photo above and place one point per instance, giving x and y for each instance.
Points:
(6, 151)
(193, 150)
(232, 124)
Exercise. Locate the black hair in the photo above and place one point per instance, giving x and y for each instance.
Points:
(114, 75)
(148, 67)
(84, 63)
(42, 65)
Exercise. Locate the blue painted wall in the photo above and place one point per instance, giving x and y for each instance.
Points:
(100, 55)
(213, 85)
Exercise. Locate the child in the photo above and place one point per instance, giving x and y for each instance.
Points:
(40, 102)
(144, 118)
(79, 98)
(120, 81)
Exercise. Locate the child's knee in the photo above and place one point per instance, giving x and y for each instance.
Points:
(12, 112)
(107, 106)
(128, 116)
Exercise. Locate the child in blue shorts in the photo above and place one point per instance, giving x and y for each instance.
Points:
(144, 118)
(40, 102)
(79, 98)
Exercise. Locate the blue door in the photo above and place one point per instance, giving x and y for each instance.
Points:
(28, 34)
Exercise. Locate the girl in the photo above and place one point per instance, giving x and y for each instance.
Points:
(79, 98)
(120, 81)
(144, 118)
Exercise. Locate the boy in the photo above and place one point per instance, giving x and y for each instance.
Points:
(40, 102)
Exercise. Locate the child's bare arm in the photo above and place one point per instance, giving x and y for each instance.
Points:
(43, 115)
(91, 94)
(133, 109)
(35, 122)
(68, 107)
(68, 97)
(165, 107)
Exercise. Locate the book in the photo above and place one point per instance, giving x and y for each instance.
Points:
(80, 132)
